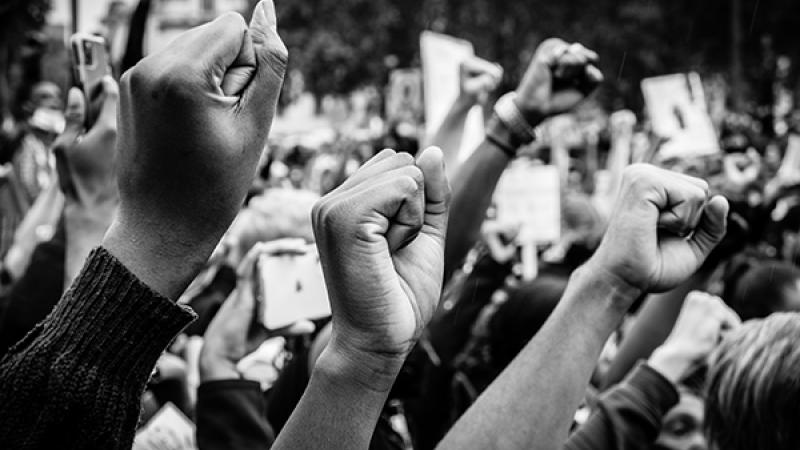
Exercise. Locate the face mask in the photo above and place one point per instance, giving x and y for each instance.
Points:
(48, 120)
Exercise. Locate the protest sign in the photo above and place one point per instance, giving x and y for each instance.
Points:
(677, 108)
(790, 166)
(292, 288)
(169, 429)
(442, 56)
(530, 195)
(404, 96)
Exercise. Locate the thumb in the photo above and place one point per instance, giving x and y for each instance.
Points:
(437, 192)
(711, 229)
(271, 57)
(75, 115)
(108, 112)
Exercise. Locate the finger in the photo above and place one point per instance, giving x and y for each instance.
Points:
(392, 161)
(405, 220)
(593, 75)
(75, 116)
(271, 57)
(299, 328)
(478, 66)
(551, 49)
(437, 191)
(241, 70)
(683, 217)
(383, 154)
(711, 228)
(108, 111)
(215, 45)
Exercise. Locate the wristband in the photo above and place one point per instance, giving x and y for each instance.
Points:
(507, 111)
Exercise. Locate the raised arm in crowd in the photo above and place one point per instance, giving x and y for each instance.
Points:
(192, 123)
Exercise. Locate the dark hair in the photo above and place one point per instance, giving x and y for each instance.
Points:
(753, 390)
(761, 289)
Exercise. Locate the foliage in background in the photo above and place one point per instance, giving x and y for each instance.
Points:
(343, 44)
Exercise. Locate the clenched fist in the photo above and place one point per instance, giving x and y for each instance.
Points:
(662, 229)
(559, 77)
(381, 242)
(193, 122)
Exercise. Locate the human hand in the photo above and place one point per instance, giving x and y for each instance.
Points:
(499, 238)
(478, 78)
(701, 323)
(236, 331)
(86, 158)
(381, 243)
(559, 77)
(194, 120)
(662, 229)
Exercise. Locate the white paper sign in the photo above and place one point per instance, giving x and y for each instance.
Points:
(293, 288)
(169, 429)
(531, 196)
(404, 96)
(442, 56)
(677, 108)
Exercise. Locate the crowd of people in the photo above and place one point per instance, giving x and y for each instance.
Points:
(664, 318)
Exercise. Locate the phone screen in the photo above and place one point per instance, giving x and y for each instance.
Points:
(291, 287)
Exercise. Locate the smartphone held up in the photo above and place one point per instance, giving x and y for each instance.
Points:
(290, 287)
(90, 63)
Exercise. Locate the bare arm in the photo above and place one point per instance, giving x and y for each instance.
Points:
(542, 386)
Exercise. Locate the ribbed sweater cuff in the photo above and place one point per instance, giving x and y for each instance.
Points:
(113, 321)
(656, 390)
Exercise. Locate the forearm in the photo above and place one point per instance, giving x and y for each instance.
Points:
(652, 326)
(473, 188)
(94, 353)
(341, 405)
(164, 257)
(450, 134)
(532, 401)
(45, 211)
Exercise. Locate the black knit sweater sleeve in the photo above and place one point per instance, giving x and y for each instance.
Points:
(75, 380)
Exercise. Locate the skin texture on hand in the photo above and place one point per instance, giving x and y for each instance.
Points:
(381, 241)
(662, 229)
(194, 120)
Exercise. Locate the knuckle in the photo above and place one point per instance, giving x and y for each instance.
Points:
(637, 176)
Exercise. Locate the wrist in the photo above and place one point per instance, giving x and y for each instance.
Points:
(670, 363)
(165, 260)
(341, 364)
(534, 116)
(214, 368)
(618, 293)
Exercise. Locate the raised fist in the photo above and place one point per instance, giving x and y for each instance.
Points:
(559, 77)
(381, 242)
(193, 122)
(662, 229)
(479, 78)
(699, 329)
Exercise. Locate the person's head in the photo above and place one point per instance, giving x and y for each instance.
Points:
(753, 387)
(767, 287)
(682, 426)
